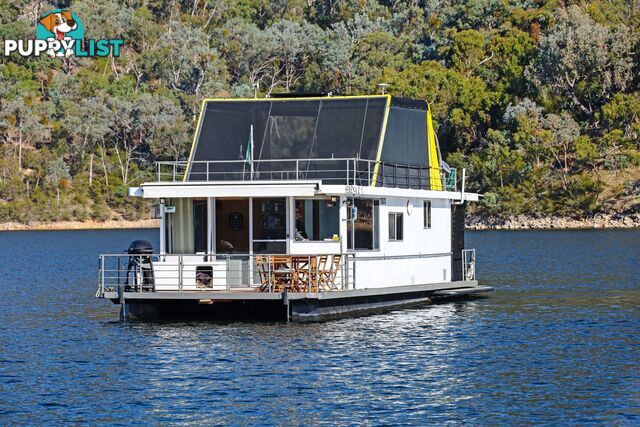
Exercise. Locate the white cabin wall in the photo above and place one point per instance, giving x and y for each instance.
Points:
(417, 239)
(432, 242)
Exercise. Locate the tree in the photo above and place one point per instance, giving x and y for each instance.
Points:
(87, 122)
(185, 62)
(584, 61)
(22, 125)
(58, 175)
(372, 54)
(561, 132)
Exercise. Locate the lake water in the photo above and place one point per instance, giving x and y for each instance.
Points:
(557, 343)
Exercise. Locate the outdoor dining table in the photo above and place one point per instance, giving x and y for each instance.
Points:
(294, 273)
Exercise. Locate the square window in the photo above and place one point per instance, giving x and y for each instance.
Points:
(396, 226)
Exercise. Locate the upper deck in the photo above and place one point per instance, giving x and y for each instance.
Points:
(371, 140)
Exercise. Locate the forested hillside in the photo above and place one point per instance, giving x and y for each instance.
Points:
(538, 99)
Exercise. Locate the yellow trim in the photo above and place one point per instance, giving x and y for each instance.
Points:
(195, 138)
(435, 181)
(297, 99)
(381, 143)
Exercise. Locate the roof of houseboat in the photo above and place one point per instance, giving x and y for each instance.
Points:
(379, 128)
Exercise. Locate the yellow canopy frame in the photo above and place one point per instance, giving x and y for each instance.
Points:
(435, 180)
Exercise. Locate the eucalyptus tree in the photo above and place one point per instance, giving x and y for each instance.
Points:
(584, 61)
(184, 60)
(57, 175)
(142, 128)
(296, 45)
(22, 124)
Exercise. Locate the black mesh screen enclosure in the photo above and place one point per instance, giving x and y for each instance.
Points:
(404, 159)
(288, 136)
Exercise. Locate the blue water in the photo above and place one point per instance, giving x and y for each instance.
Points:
(557, 343)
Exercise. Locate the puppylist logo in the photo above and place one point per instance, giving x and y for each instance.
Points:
(60, 33)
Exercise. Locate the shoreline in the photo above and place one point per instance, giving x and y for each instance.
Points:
(472, 223)
(81, 225)
(525, 222)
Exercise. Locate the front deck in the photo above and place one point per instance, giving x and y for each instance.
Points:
(298, 288)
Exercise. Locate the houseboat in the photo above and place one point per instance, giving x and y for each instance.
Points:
(300, 208)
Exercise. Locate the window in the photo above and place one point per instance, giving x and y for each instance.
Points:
(427, 214)
(362, 231)
(395, 226)
(200, 226)
(317, 220)
(269, 225)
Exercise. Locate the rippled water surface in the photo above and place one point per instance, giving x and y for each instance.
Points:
(557, 343)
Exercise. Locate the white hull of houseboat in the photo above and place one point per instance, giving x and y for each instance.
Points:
(296, 307)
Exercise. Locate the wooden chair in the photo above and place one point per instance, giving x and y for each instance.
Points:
(283, 275)
(261, 266)
(328, 276)
(319, 271)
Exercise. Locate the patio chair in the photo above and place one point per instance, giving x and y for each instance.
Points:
(328, 276)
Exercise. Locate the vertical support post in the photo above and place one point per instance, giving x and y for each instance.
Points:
(464, 178)
(269, 272)
(318, 273)
(140, 274)
(369, 173)
(228, 284)
(180, 265)
(251, 151)
(207, 171)
(344, 258)
(102, 275)
(395, 175)
(355, 167)
(251, 259)
(473, 263)
(163, 229)
(210, 224)
(354, 271)
(347, 172)
(309, 274)
(297, 169)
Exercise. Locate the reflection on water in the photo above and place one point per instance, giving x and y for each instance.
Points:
(558, 342)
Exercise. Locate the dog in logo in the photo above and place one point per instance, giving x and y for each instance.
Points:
(59, 23)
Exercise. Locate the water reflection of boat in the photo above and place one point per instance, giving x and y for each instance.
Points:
(301, 208)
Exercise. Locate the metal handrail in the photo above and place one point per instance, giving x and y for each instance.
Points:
(469, 264)
(180, 272)
(349, 171)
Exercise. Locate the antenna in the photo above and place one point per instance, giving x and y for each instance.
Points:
(383, 87)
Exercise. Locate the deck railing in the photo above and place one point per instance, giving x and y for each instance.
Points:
(274, 273)
(347, 171)
(468, 264)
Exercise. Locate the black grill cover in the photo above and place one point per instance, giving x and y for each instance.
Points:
(140, 247)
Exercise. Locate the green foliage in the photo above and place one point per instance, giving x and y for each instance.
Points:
(537, 99)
